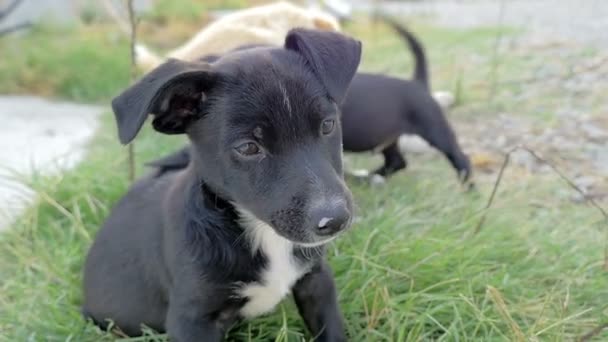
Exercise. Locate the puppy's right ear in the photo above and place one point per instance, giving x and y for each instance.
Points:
(172, 93)
(332, 56)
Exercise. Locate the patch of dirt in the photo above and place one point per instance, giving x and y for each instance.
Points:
(577, 144)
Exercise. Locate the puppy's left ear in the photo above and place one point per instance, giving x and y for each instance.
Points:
(172, 93)
(333, 57)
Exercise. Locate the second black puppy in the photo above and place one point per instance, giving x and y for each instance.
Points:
(244, 224)
(378, 109)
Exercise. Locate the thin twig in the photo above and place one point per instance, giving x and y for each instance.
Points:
(588, 199)
(588, 336)
(133, 22)
(494, 190)
(564, 178)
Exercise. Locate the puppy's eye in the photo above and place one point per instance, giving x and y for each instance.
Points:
(248, 149)
(327, 126)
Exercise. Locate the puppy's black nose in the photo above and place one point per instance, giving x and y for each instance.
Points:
(330, 219)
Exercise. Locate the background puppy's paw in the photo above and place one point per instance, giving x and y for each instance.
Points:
(359, 173)
(377, 180)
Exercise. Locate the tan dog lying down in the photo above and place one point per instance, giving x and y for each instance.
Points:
(267, 24)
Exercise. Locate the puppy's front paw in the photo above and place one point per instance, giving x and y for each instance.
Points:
(362, 173)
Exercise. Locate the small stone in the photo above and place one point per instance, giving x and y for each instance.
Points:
(600, 159)
(584, 182)
(501, 141)
(377, 180)
(525, 159)
(593, 131)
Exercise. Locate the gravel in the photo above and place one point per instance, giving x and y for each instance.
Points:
(581, 21)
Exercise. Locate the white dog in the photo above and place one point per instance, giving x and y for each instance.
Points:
(267, 24)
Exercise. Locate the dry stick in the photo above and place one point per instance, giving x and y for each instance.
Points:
(580, 191)
(494, 190)
(570, 183)
(133, 22)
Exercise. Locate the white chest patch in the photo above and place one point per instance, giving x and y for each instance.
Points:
(281, 271)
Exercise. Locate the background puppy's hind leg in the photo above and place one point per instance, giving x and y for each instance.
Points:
(441, 137)
(393, 161)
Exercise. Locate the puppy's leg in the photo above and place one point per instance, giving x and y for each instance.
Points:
(441, 136)
(186, 322)
(315, 296)
(393, 161)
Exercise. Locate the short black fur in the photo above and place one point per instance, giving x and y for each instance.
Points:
(178, 251)
(378, 109)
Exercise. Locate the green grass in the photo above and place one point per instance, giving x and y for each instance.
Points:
(167, 10)
(411, 269)
(90, 62)
(78, 63)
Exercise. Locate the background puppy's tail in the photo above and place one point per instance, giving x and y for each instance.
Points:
(175, 161)
(420, 68)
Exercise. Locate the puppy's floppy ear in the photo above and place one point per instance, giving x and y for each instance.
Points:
(333, 57)
(173, 93)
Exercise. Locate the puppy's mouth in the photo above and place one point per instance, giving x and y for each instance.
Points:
(315, 244)
(258, 229)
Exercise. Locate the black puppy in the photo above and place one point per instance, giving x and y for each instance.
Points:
(191, 251)
(378, 109)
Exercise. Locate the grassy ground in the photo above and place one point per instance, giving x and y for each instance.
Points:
(410, 270)
(82, 64)
(89, 61)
